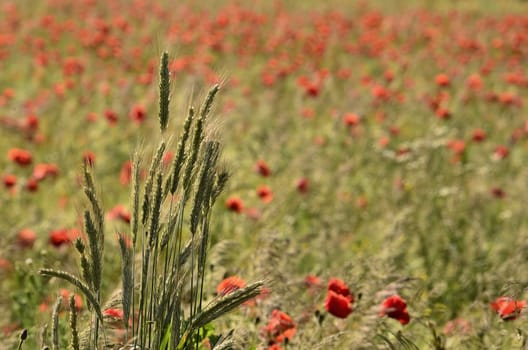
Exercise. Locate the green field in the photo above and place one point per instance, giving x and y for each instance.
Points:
(375, 155)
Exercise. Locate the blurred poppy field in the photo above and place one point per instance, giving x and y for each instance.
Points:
(376, 153)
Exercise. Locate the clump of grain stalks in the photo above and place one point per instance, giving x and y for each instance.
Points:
(161, 299)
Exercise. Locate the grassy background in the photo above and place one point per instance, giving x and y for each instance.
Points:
(422, 224)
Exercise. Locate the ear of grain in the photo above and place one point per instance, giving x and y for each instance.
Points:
(164, 91)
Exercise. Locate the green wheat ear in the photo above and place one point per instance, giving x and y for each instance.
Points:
(55, 324)
(149, 183)
(134, 199)
(74, 343)
(179, 160)
(198, 138)
(43, 335)
(222, 306)
(92, 299)
(164, 93)
(128, 278)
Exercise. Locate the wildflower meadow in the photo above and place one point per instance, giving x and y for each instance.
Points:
(265, 175)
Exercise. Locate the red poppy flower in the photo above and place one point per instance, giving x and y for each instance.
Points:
(91, 116)
(351, 119)
(362, 202)
(32, 185)
(19, 156)
(262, 168)
(230, 284)
(76, 297)
(111, 116)
(457, 146)
(388, 75)
(31, 123)
(384, 141)
(508, 98)
(338, 286)
(8, 93)
(26, 238)
(491, 96)
(59, 237)
(59, 89)
(72, 66)
(312, 281)
(380, 93)
(138, 114)
(280, 327)
(394, 130)
(478, 135)
(5, 265)
(167, 158)
(507, 308)
(9, 180)
(126, 173)
(395, 307)
(265, 193)
(287, 334)
(41, 171)
(233, 283)
(235, 204)
(442, 80)
(501, 152)
(302, 185)
(474, 82)
(443, 113)
(498, 192)
(268, 79)
(119, 212)
(339, 300)
(312, 89)
(308, 113)
(337, 304)
(114, 313)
